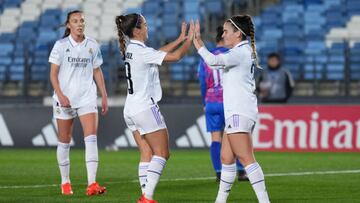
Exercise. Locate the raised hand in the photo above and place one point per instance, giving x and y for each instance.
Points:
(198, 43)
(182, 35)
(191, 30)
(197, 29)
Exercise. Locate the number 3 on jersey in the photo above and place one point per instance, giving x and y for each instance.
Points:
(128, 78)
(252, 71)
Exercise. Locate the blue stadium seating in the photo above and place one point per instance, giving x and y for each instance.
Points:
(3, 70)
(4, 4)
(214, 7)
(296, 29)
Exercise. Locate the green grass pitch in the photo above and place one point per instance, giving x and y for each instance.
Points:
(33, 176)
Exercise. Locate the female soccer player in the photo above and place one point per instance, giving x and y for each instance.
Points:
(141, 112)
(240, 103)
(75, 64)
(212, 97)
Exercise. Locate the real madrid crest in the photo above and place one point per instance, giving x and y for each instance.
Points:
(90, 51)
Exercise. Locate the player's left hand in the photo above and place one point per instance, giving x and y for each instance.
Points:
(104, 106)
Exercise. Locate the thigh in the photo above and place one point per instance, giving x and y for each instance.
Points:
(89, 123)
(159, 142)
(227, 155)
(144, 148)
(65, 128)
(241, 145)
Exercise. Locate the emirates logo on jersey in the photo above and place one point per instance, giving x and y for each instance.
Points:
(79, 62)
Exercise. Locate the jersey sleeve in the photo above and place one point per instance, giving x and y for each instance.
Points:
(231, 58)
(56, 54)
(202, 80)
(152, 56)
(97, 60)
(227, 59)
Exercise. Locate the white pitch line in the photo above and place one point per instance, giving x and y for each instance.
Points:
(199, 178)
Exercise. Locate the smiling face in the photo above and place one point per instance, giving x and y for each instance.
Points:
(76, 24)
(231, 36)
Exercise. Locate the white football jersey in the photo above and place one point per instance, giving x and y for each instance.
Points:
(76, 61)
(142, 74)
(238, 79)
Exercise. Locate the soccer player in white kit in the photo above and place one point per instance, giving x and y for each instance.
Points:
(141, 112)
(240, 103)
(75, 64)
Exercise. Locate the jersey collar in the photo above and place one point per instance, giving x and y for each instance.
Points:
(74, 43)
(241, 43)
(134, 41)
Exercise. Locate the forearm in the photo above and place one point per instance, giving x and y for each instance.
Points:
(214, 61)
(180, 52)
(171, 46)
(55, 82)
(99, 79)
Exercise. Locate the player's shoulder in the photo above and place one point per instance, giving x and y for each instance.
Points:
(219, 50)
(92, 41)
(62, 42)
(136, 45)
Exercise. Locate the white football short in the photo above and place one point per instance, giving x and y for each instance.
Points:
(147, 121)
(66, 113)
(239, 124)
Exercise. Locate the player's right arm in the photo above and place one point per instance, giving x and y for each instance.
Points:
(228, 60)
(55, 61)
(54, 72)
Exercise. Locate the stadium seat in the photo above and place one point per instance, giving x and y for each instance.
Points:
(16, 73)
(335, 71)
(179, 72)
(6, 49)
(39, 72)
(312, 71)
(170, 31)
(3, 70)
(5, 60)
(214, 7)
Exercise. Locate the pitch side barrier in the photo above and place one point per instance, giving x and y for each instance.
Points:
(279, 128)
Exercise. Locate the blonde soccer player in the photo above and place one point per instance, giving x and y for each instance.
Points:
(141, 112)
(75, 71)
(240, 102)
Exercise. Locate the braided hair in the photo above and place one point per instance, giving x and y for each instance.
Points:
(125, 25)
(247, 28)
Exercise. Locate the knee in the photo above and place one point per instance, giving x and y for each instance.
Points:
(246, 160)
(164, 154)
(146, 154)
(227, 160)
(65, 138)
